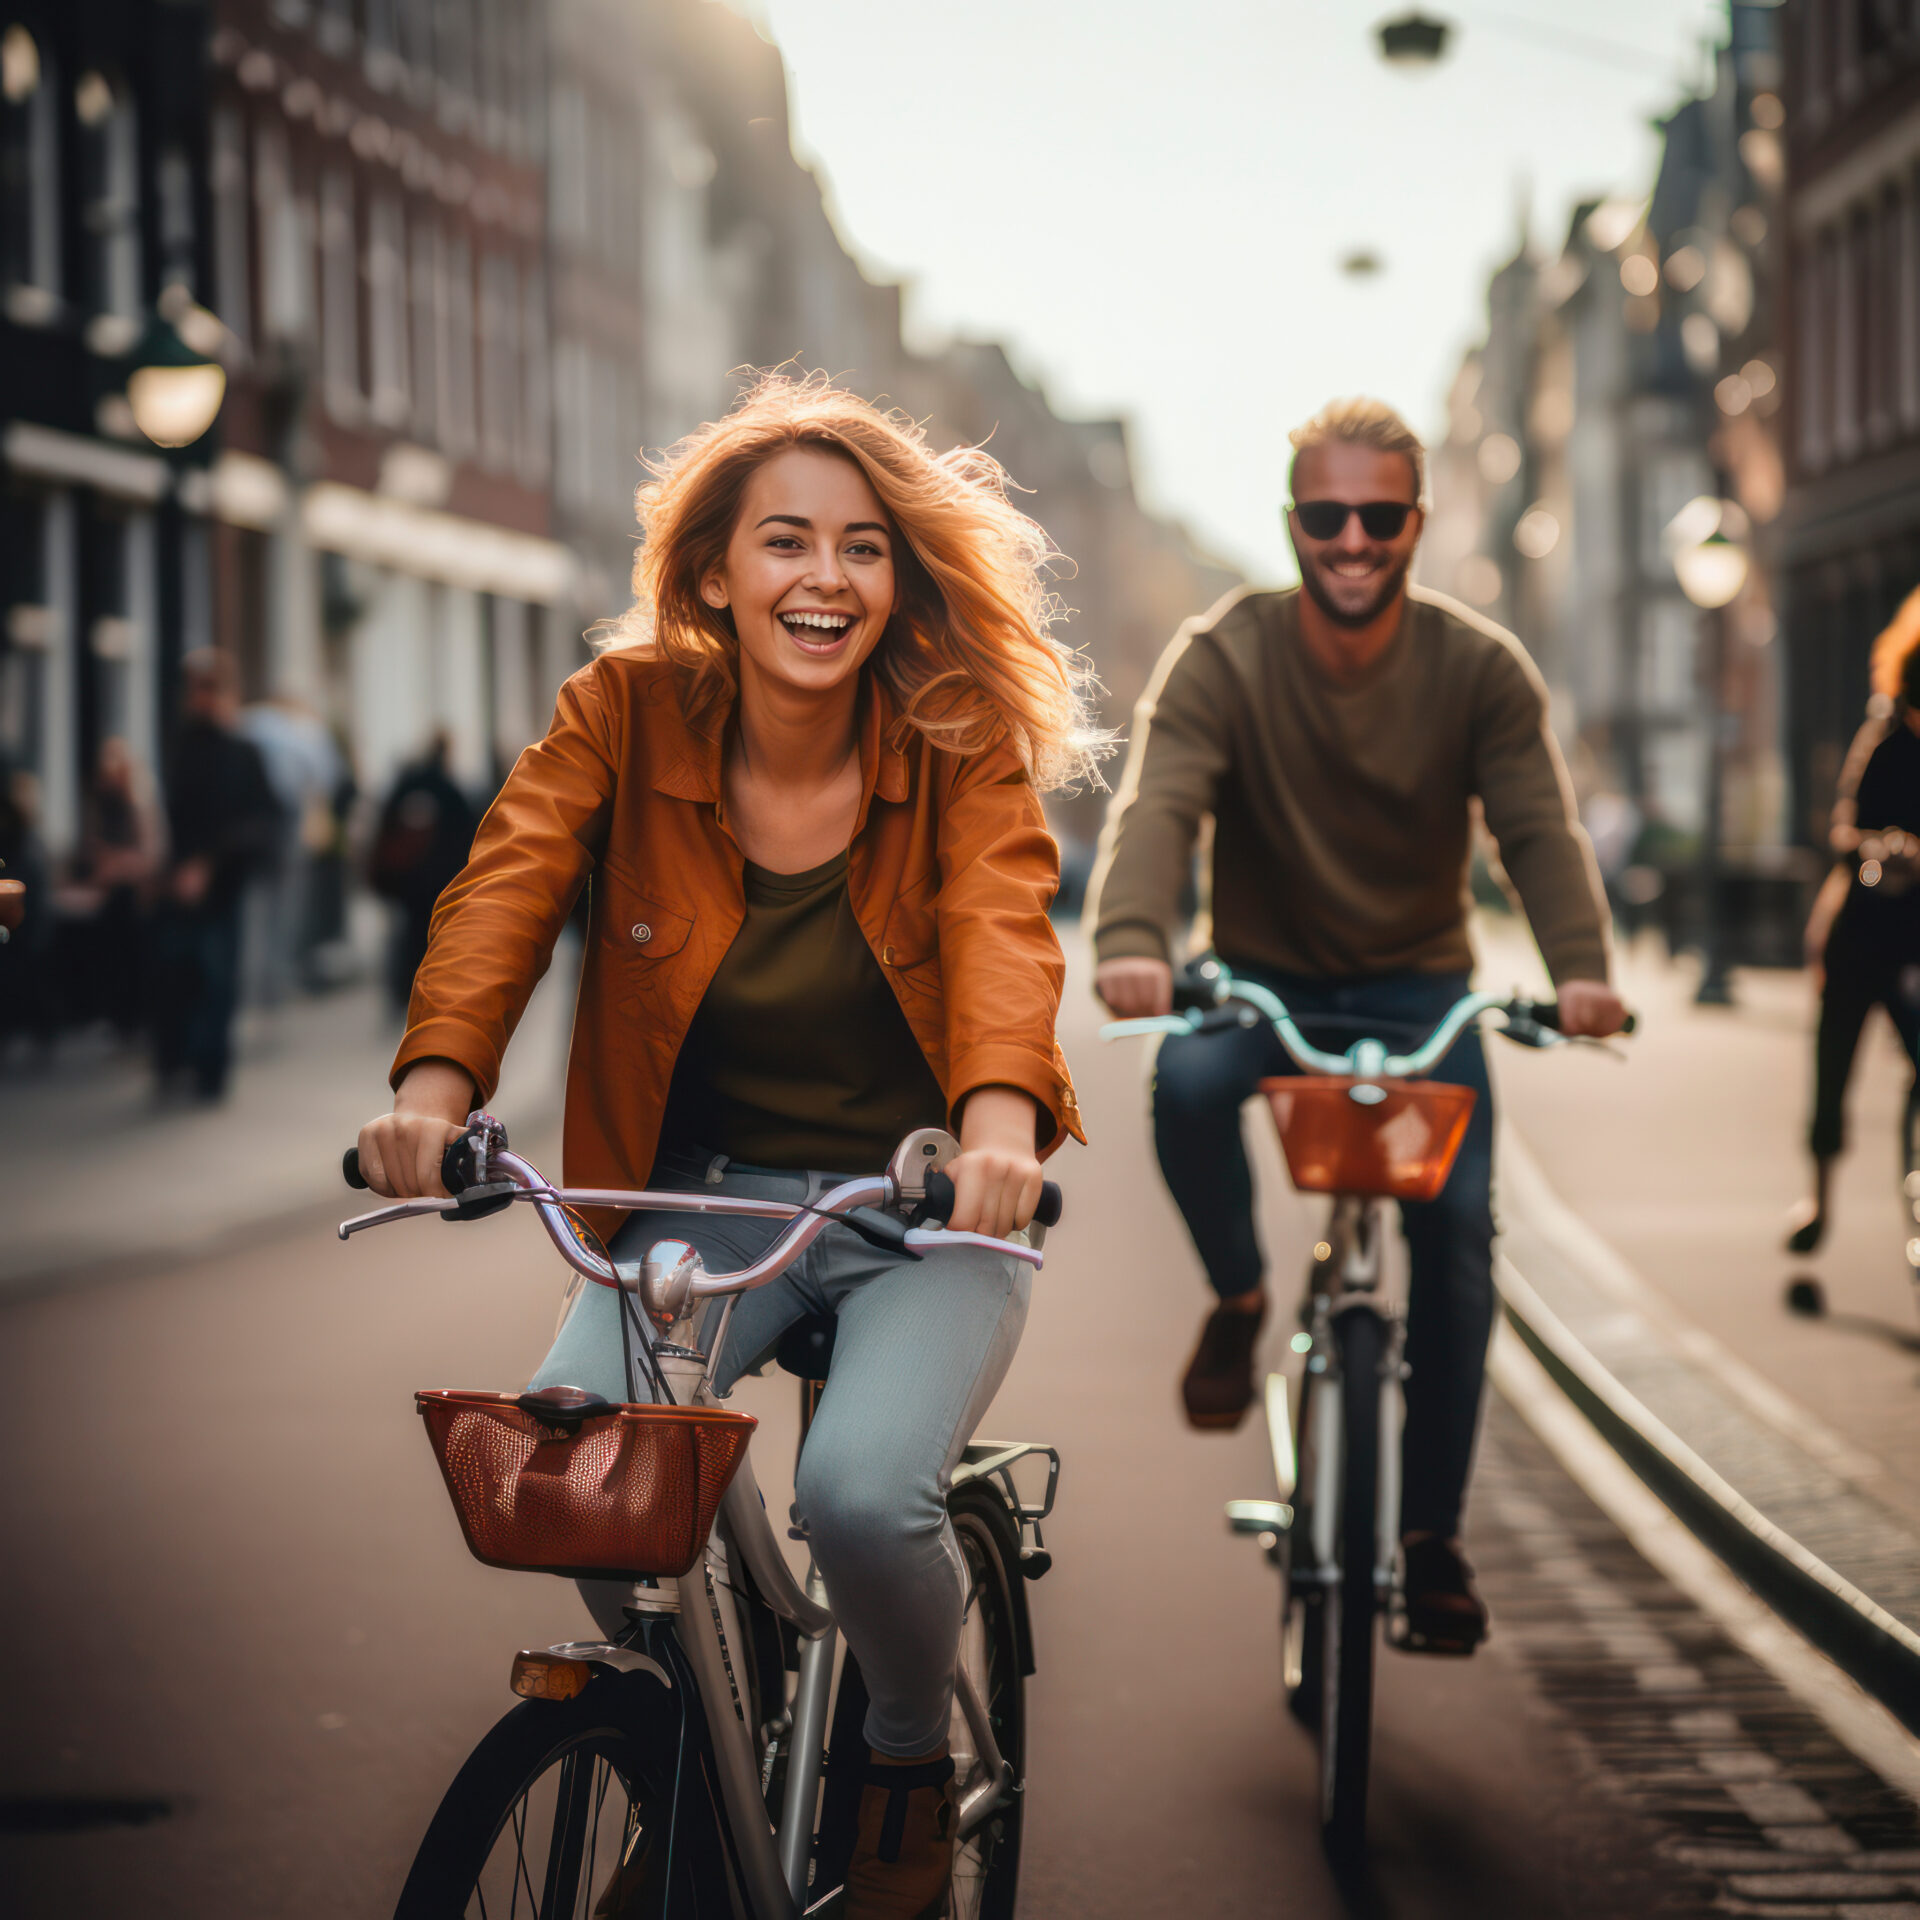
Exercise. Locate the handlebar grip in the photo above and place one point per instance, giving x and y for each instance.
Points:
(457, 1170)
(940, 1200)
(456, 1166)
(1546, 1013)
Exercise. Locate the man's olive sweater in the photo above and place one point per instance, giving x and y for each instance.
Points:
(1342, 811)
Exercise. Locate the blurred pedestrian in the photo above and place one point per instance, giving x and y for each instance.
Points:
(106, 900)
(425, 833)
(224, 821)
(1863, 938)
(26, 987)
(304, 769)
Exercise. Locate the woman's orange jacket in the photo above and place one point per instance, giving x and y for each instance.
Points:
(951, 876)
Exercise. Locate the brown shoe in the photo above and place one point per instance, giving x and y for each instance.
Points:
(903, 1856)
(1445, 1613)
(1218, 1388)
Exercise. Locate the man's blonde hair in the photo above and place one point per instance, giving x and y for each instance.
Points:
(1360, 422)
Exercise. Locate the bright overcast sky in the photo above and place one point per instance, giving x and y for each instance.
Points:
(1149, 201)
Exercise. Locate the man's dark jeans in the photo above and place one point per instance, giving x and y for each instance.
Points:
(1199, 1085)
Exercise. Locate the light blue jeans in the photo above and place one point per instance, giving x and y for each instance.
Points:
(919, 1352)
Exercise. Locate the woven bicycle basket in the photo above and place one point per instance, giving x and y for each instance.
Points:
(632, 1491)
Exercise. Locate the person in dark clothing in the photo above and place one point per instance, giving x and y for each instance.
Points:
(426, 832)
(109, 892)
(1864, 935)
(26, 989)
(224, 823)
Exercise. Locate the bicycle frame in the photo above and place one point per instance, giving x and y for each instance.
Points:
(678, 1297)
(1347, 1279)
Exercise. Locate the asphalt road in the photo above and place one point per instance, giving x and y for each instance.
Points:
(246, 1648)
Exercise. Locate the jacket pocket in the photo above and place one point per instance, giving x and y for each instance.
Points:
(910, 953)
(635, 924)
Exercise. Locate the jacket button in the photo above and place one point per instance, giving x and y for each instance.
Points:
(642, 932)
(886, 956)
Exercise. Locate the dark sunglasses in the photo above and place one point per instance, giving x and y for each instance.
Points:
(1326, 519)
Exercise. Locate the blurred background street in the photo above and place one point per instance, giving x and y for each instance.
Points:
(331, 333)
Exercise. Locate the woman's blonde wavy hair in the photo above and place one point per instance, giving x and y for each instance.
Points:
(970, 654)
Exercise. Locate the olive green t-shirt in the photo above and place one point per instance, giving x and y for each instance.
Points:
(799, 1055)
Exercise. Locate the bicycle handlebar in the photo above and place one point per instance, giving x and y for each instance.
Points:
(510, 1178)
(1206, 1001)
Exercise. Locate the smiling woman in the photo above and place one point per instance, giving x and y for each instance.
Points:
(801, 781)
(970, 652)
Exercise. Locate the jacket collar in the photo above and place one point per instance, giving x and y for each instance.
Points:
(692, 772)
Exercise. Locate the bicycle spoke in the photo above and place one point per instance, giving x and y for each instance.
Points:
(520, 1872)
(563, 1846)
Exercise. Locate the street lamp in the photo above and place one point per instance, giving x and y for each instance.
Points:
(1413, 41)
(1711, 569)
(177, 384)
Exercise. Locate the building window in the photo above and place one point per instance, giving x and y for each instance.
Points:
(416, 41)
(1849, 322)
(29, 179)
(285, 240)
(110, 210)
(536, 411)
(423, 284)
(387, 310)
(1907, 300)
(231, 269)
(1813, 358)
(380, 41)
(340, 295)
(453, 51)
(499, 359)
(454, 345)
(333, 27)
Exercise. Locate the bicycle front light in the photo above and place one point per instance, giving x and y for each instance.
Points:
(543, 1676)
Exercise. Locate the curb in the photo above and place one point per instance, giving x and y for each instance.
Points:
(1853, 1631)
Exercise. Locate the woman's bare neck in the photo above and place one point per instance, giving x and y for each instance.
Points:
(792, 773)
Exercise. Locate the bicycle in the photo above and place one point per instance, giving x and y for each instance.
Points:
(701, 1760)
(1363, 1128)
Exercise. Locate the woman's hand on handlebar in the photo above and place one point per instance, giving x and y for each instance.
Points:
(1590, 1008)
(400, 1152)
(996, 1176)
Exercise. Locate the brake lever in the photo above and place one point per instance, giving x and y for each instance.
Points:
(918, 1238)
(1599, 1045)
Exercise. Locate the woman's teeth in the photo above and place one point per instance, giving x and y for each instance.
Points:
(829, 625)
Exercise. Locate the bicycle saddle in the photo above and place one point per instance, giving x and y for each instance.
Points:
(806, 1348)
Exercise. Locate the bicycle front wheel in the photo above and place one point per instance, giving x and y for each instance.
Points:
(569, 1811)
(1348, 1606)
(995, 1656)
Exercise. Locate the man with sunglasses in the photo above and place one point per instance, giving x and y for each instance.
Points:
(1338, 735)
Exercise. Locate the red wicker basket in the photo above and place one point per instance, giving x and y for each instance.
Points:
(632, 1491)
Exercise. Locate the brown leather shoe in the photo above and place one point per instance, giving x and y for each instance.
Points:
(1218, 1388)
(1445, 1613)
(903, 1857)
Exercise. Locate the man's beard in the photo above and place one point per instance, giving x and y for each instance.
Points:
(1391, 582)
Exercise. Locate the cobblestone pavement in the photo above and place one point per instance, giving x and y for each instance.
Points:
(1755, 1808)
